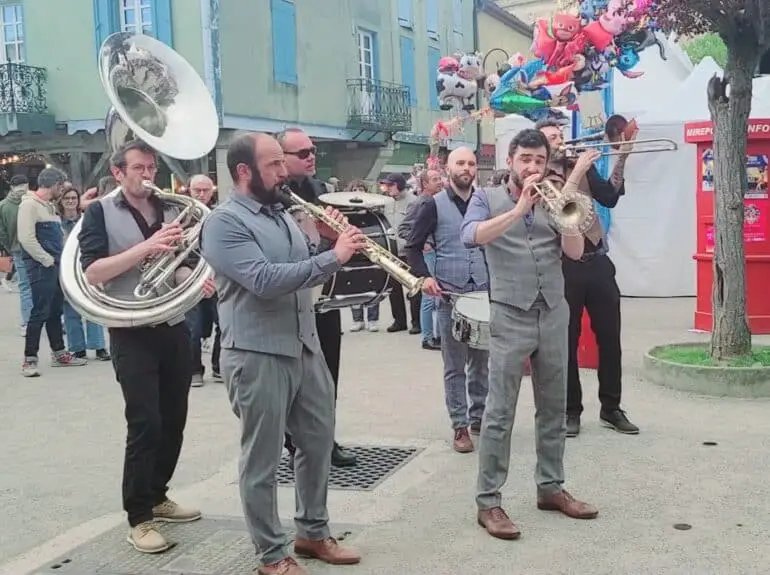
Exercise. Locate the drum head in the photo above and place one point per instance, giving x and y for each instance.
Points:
(354, 200)
(474, 305)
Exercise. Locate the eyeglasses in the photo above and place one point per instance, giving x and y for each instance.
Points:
(303, 154)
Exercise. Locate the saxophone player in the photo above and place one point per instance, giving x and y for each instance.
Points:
(271, 356)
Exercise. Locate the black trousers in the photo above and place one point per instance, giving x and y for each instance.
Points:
(154, 369)
(329, 328)
(398, 307)
(591, 285)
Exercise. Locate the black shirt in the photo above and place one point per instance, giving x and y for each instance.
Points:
(94, 238)
(605, 195)
(424, 226)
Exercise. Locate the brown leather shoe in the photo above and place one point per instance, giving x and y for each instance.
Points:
(326, 550)
(497, 523)
(567, 504)
(286, 566)
(462, 441)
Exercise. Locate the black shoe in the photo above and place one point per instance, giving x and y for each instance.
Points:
(573, 425)
(79, 354)
(618, 421)
(342, 457)
(415, 329)
(475, 428)
(431, 344)
(102, 355)
(396, 327)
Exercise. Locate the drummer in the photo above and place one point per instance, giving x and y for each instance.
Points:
(459, 270)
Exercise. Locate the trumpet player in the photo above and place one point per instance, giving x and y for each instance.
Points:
(529, 318)
(590, 280)
(271, 360)
(153, 365)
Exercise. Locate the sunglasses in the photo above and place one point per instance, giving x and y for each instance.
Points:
(303, 154)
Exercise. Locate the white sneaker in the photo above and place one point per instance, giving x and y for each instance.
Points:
(9, 286)
(357, 326)
(197, 380)
(373, 326)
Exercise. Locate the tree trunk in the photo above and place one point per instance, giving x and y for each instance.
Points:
(730, 334)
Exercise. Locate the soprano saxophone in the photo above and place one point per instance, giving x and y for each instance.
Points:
(378, 255)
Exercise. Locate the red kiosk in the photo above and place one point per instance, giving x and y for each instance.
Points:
(756, 230)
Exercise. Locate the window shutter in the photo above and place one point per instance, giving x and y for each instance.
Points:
(284, 24)
(106, 21)
(434, 55)
(161, 21)
(408, 74)
(432, 18)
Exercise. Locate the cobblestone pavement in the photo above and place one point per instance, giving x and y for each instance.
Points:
(63, 435)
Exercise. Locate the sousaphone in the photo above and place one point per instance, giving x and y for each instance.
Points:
(156, 97)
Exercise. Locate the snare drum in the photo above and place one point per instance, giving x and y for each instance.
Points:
(359, 282)
(470, 319)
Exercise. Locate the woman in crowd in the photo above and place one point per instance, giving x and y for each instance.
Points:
(372, 311)
(78, 340)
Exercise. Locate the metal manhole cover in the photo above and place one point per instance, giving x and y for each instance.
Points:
(211, 546)
(375, 464)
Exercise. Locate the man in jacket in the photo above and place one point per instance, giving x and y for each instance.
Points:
(9, 241)
(41, 239)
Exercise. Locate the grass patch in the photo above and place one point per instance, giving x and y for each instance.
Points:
(697, 355)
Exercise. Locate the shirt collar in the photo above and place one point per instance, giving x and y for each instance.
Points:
(253, 205)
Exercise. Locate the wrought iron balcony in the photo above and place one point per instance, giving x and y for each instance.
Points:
(23, 99)
(378, 106)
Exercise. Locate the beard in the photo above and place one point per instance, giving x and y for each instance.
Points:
(462, 181)
(262, 194)
(558, 156)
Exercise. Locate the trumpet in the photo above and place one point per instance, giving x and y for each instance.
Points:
(378, 255)
(650, 146)
(572, 212)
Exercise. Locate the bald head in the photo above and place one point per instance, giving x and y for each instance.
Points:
(257, 165)
(461, 167)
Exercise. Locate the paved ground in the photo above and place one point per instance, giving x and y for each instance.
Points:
(62, 439)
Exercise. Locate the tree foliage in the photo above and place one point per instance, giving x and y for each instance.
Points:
(706, 45)
(744, 27)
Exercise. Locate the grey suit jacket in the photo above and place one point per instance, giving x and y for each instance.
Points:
(264, 270)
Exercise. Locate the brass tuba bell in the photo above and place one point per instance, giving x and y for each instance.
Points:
(156, 97)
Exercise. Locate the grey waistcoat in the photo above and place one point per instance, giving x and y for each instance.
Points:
(123, 233)
(456, 265)
(277, 326)
(524, 262)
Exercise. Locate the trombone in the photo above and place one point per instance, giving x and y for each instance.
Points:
(647, 146)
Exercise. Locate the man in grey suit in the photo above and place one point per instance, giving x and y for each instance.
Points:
(271, 358)
(529, 317)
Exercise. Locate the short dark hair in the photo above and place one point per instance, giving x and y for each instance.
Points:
(530, 139)
(281, 136)
(615, 126)
(51, 177)
(548, 123)
(118, 158)
(106, 185)
(19, 180)
(242, 150)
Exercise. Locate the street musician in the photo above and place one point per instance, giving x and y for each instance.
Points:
(589, 282)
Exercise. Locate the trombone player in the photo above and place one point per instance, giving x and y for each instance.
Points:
(589, 281)
(529, 318)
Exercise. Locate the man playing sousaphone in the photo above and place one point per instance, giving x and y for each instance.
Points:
(590, 281)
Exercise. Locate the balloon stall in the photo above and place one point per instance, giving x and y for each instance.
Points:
(573, 53)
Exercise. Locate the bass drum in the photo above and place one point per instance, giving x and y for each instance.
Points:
(359, 282)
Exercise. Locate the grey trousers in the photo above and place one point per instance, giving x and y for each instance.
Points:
(465, 373)
(269, 394)
(516, 335)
